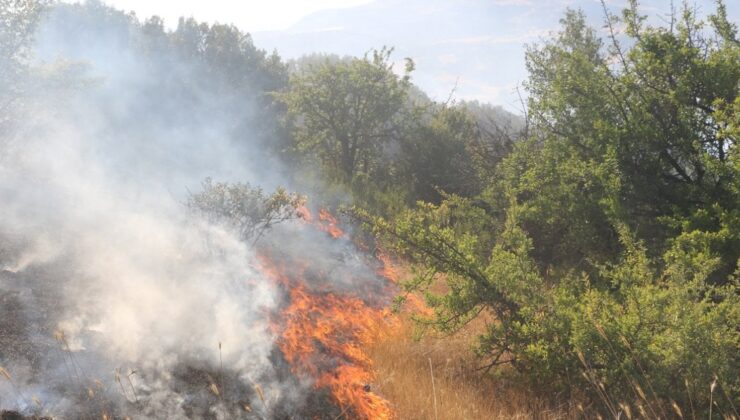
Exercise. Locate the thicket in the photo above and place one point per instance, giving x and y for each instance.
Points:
(606, 243)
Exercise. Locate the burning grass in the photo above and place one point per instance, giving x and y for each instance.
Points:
(323, 337)
(330, 306)
(323, 334)
(343, 342)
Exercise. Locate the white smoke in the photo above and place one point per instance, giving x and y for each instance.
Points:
(115, 298)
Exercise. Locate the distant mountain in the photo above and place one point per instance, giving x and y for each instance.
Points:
(475, 47)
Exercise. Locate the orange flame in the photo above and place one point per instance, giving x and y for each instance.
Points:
(388, 271)
(326, 223)
(329, 224)
(304, 213)
(323, 334)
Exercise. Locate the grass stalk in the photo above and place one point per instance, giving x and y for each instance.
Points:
(434, 389)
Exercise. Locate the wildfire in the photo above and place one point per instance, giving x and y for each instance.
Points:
(323, 334)
(324, 337)
(304, 213)
(388, 271)
(329, 224)
(326, 223)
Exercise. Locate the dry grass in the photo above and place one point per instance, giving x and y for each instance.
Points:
(462, 392)
(402, 367)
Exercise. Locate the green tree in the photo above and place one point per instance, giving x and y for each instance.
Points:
(344, 112)
(17, 23)
(245, 209)
(436, 154)
(650, 112)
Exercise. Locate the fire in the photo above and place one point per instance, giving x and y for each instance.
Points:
(329, 224)
(323, 333)
(388, 271)
(326, 223)
(324, 337)
(304, 213)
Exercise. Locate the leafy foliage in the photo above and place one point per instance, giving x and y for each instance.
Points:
(344, 112)
(606, 244)
(436, 155)
(17, 22)
(246, 209)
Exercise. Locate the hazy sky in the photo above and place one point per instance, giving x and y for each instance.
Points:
(475, 47)
(250, 15)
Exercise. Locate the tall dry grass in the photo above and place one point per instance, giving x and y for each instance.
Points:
(404, 377)
(437, 377)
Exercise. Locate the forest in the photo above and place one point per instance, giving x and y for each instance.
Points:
(194, 227)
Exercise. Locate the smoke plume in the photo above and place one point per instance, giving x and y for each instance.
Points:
(114, 298)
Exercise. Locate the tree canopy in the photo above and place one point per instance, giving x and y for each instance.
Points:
(345, 112)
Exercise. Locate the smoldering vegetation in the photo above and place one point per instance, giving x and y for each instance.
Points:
(116, 299)
(153, 266)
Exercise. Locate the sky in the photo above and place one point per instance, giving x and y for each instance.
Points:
(250, 15)
(467, 49)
